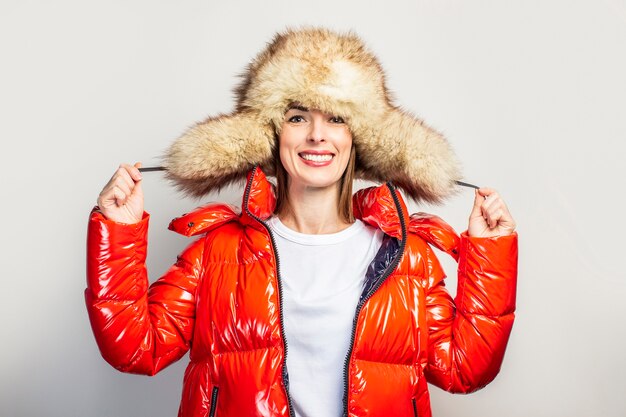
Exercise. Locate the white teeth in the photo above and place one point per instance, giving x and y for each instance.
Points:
(316, 158)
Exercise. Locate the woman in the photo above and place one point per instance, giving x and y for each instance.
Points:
(357, 293)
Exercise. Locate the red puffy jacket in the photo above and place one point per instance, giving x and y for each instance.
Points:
(222, 300)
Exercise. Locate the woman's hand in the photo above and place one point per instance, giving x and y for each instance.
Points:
(490, 216)
(121, 200)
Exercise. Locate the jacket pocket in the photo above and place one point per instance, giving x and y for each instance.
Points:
(414, 401)
(213, 401)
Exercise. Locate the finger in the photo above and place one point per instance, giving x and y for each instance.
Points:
(123, 176)
(499, 215)
(490, 208)
(506, 215)
(112, 196)
(485, 191)
(134, 171)
(137, 190)
(120, 173)
(505, 219)
(494, 202)
(476, 209)
(493, 217)
(109, 195)
(120, 196)
(121, 180)
(491, 200)
(489, 193)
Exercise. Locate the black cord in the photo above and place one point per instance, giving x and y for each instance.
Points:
(468, 185)
(150, 169)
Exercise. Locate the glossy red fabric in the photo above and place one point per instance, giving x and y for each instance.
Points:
(221, 299)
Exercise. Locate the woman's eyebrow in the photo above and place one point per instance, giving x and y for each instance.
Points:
(297, 107)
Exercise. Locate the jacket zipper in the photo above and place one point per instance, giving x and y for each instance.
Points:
(414, 406)
(390, 268)
(213, 402)
(280, 290)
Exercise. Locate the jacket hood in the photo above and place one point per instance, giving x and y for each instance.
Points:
(332, 72)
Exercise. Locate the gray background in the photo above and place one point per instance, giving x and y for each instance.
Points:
(530, 93)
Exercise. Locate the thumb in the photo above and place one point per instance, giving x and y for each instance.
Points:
(136, 175)
(478, 201)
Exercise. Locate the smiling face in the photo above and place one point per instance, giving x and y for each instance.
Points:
(314, 148)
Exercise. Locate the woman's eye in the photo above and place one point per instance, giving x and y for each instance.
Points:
(296, 119)
(336, 119)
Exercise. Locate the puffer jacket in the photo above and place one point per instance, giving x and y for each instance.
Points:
(222, 300)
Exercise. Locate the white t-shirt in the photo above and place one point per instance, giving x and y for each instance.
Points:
(322, 278)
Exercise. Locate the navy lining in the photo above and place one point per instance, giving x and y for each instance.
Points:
(375, 271)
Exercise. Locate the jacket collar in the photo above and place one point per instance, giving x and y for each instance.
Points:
(381, 207)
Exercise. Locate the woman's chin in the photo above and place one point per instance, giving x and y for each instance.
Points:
(314, 183)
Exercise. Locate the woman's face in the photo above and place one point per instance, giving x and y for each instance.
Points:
(314, 147)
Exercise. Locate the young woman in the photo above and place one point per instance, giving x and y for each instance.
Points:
(310, 301)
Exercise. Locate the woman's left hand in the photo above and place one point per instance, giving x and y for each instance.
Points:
(490, 216)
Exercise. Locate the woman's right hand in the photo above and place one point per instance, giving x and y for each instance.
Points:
(121, 200)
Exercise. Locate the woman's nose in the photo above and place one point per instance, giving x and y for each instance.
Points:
(317, 132)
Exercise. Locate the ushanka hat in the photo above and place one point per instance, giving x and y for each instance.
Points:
(332, 72)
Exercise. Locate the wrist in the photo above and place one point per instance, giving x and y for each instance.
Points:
(120, 218)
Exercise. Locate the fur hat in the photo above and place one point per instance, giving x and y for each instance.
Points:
(332, 72)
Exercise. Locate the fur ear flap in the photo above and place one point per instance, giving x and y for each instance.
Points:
(219, 151)
(412, 155)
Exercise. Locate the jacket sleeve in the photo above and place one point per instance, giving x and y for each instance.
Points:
(138, 329)
(468, 336)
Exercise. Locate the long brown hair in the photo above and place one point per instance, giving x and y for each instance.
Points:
(345, 187)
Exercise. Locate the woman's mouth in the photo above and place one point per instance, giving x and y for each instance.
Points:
(316, 159)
